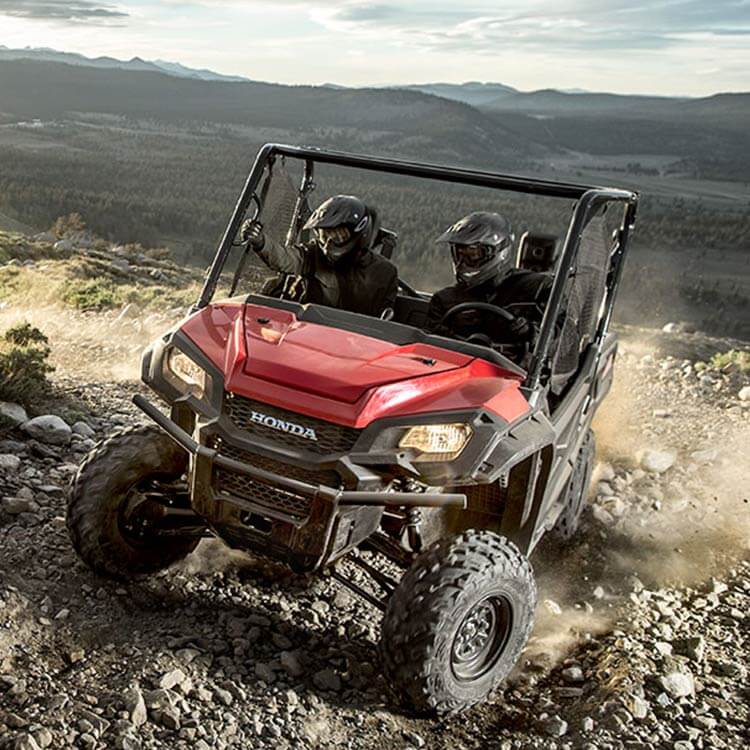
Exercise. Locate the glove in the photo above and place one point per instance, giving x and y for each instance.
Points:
(251, 233)
(520, 328)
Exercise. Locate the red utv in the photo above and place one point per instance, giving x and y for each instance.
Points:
(302, 433)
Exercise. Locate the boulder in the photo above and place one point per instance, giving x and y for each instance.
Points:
(656, 461)
(14, 413)
(9, 463)
(48, 429)
(82, 429)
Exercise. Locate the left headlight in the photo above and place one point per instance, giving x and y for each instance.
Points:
(185, 374)
(437, 442)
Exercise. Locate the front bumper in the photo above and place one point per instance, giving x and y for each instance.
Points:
(333, 521)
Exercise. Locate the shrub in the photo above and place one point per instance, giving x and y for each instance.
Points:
(738, 359)
(24, 352)
(67, 225)
(91, 295)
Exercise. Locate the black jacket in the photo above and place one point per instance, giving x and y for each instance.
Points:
(523, 293)
(367, 284)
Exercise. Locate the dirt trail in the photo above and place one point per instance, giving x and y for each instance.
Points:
(258, 657)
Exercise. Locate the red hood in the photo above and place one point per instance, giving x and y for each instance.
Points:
(330, 362)
(345, 377)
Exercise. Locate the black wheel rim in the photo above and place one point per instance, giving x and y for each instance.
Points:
(141, 508)
(481, 638)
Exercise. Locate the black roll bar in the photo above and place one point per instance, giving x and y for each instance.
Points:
(589, 199)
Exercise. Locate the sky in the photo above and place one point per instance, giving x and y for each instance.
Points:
(670, 47)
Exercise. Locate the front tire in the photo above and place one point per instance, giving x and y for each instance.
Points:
(458, 621)
(101, 499)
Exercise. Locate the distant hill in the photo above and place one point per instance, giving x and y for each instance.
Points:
(109, 63)
(551, 101)
(387, 120)
(474, 93)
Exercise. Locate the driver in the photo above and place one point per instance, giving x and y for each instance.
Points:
(338, 267)
(481, 246)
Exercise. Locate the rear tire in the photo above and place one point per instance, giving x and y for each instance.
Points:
(577, 491)
(458, 621)
(102, 490)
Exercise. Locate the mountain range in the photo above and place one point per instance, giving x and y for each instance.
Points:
(134, 64)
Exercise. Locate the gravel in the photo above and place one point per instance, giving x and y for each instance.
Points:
(641, 641)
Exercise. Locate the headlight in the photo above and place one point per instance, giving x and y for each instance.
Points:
(437, 442)
(185, 374)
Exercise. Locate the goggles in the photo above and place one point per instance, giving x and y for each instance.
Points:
(333, 236)
(472, 256)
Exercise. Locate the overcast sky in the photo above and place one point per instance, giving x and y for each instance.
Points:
(691, 47)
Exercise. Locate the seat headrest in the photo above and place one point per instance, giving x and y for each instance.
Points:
(537, 252)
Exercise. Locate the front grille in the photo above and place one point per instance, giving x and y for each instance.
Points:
(331, 438)
(242, 486)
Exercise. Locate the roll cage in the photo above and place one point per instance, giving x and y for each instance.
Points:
(588, 201)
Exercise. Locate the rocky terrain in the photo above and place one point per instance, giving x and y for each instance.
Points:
(642, 630)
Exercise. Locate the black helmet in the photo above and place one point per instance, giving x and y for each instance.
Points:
(481, 247)
(340, 225)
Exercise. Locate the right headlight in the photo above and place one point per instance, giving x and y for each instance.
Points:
(437, 442)
(185, 374)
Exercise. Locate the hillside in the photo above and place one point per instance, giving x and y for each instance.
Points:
(392, 121)
(641, 632)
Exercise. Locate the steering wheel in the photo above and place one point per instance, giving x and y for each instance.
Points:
(496, 310)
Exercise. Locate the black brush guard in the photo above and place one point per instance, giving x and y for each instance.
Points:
(338, 519)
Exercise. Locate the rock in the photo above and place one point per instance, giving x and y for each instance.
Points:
(49, 429)
(637, 706)
(678, 684)
(264, 672)
(135, 705)
(14, 506)
(744, 394)
(554, 726)
(603, 516)
(25, 742)
(671, 328)
(43, 737)
(63, 246)
(290, 662)
(9, 463)
(13, 413)
(171, 679)
(552, 607)
(573, 675)
(327, 679)
(606, 472)
(694, 648)
(656, 461)
(82, 429)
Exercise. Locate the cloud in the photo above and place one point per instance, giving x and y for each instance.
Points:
(539, 24)
(79, 11)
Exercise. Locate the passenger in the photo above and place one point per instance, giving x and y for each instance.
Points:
(481, 247)
(338, 267)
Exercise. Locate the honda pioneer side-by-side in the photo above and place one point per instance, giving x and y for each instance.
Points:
(305, 433)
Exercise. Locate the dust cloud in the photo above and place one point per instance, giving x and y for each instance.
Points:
(92, 346)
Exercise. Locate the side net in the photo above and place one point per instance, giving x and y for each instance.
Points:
(585, 300)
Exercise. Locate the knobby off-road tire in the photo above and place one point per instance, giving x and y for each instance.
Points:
(577, 491)
(101, 489)
(476, 574)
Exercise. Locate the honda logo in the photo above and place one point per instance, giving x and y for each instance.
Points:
(279, 424)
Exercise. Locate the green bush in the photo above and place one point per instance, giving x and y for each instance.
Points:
(91, 295)
(24, 352)
(739, 359)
